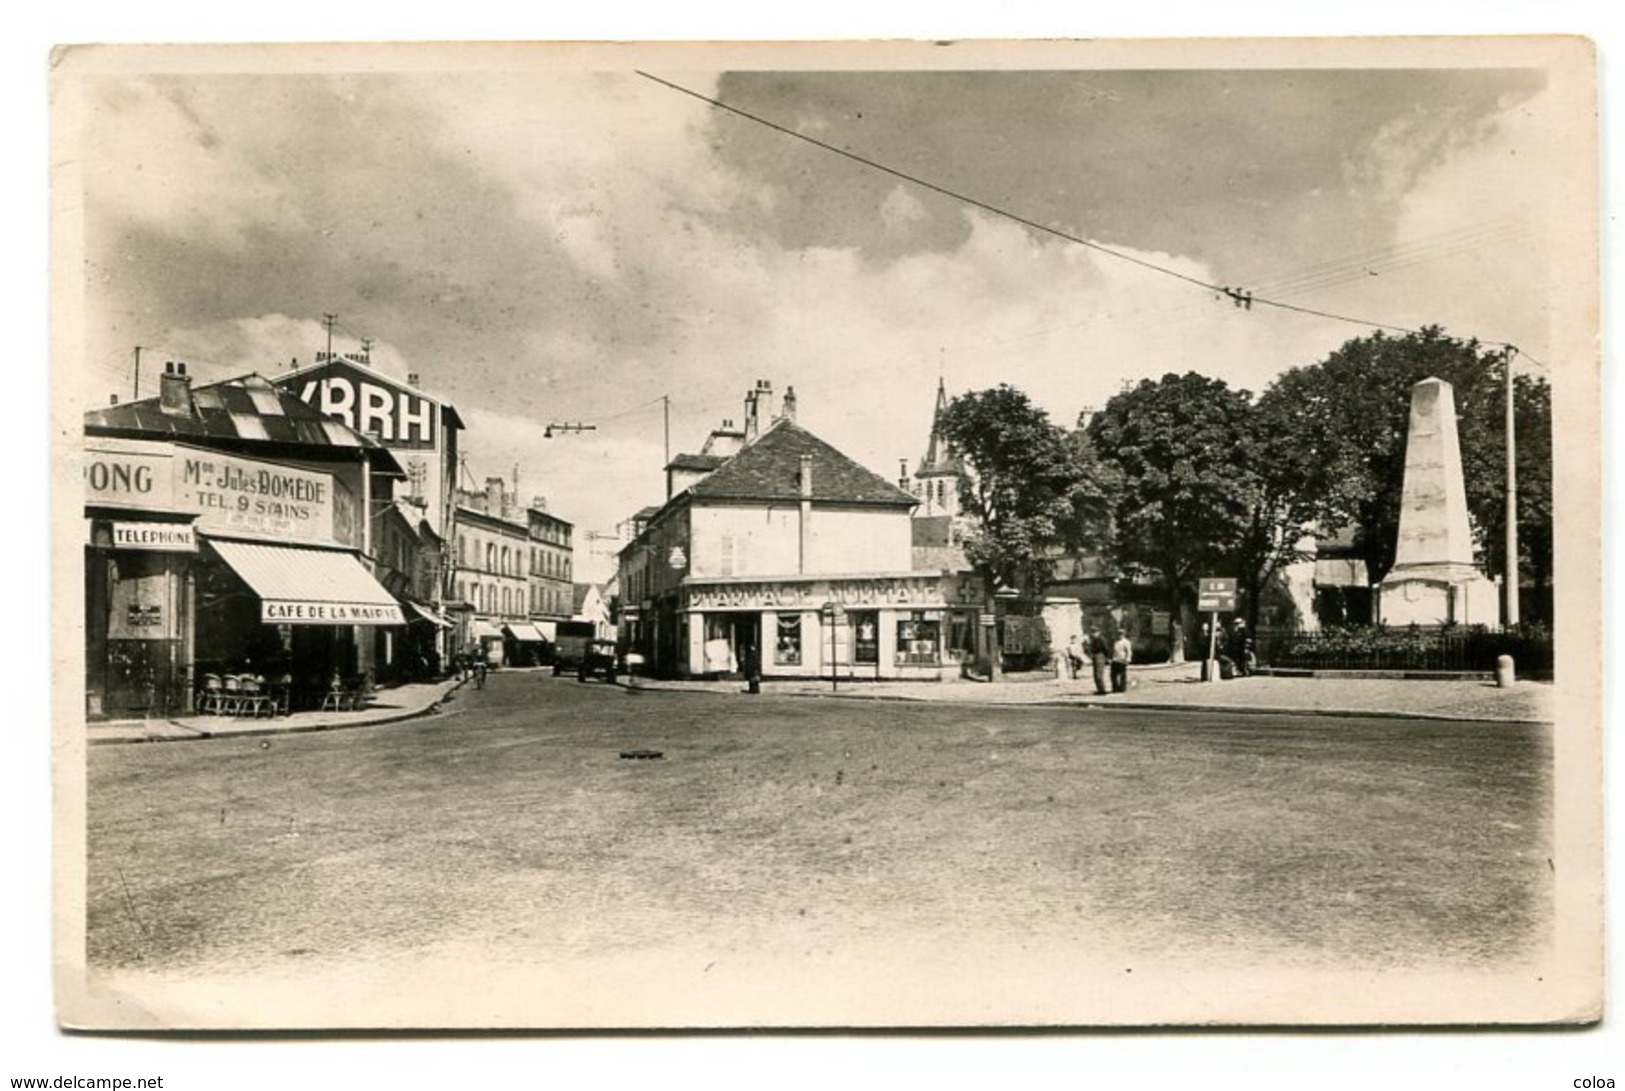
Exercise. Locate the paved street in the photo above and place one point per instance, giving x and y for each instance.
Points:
(507, 830)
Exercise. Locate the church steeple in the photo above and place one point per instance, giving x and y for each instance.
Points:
(939, 458)
(937, 479)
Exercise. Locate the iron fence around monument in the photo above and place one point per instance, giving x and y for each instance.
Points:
(1415, 648)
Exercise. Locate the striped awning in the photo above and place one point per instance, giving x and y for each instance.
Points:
(301, 585)
(434, 617)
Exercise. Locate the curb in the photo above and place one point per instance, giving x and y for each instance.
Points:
(1148, 706)
(260, 732)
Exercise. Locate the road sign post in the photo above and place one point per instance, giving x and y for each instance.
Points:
(1214, 595)
(833, 614)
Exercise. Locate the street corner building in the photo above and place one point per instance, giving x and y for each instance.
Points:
(778, 555)
(231, 528)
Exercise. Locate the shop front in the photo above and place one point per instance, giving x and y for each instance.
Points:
(201, 563)
(850, 627)
(294, 614)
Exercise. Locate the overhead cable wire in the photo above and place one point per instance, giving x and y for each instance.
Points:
(1239, 296)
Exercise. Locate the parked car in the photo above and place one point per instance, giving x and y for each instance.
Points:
(599, 661)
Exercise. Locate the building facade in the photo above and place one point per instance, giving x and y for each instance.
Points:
(788, 558)
(490, 582)
(552, 564)
(226, 530)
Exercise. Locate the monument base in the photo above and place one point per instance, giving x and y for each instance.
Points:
(1438, 594)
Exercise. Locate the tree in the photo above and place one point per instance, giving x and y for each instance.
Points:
(1348, 416)
(1189, 498)
(1024, 488)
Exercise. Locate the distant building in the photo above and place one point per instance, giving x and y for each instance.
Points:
(490, 557)
(552, 567)
(789, 556)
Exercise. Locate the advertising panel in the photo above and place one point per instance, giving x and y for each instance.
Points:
(228, 494)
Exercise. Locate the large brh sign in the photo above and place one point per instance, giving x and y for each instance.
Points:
(397, 415)
(228, 494)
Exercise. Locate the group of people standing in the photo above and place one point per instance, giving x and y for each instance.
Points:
(1235, 651)
(1099, 652)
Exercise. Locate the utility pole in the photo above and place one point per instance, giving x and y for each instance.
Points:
(665, 404)
(329, 320)
(1511, 573)
(137, 393)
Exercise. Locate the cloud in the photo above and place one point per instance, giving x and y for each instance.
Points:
(571, 246)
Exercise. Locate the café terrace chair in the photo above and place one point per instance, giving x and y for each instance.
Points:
(252, 698)
(231, 696)
(211, 698)
(335, 698)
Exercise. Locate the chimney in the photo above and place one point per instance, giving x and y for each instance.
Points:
(175, 390)
(750, 416)
(112, 399)
(804, 480)
(493, 496)
(789, 412)
(539, 503)
(902, 474)
(411, 378)
(764, 399)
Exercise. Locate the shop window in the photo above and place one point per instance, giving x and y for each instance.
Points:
(919, 641)
(865, 636)
(787, 647)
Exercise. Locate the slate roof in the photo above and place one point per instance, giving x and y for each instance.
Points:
(770, 469)
(243, 414)
(704, 463)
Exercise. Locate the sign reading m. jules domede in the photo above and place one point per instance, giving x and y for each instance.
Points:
(227, 493)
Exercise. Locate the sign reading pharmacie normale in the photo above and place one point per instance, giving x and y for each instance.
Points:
(812, 592)
(226, 493)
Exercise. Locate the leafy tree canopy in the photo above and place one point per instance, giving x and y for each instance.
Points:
(1182, 452)
(1026, 489)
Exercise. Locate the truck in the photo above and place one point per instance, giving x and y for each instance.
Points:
(572, 641)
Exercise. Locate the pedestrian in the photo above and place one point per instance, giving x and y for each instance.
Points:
(1097, 650)
(1241, 644)
(1074, 657)
(479, 672)
(1122, 656)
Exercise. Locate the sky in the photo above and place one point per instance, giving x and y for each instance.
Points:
(549, 246)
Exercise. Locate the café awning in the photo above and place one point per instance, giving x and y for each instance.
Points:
(434, 617)
(303, 585)
(526, 632)
(480, 629)
(548, 629)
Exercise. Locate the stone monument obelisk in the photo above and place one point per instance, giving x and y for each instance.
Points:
(1434, 580)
